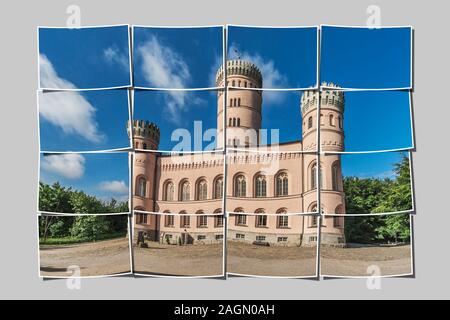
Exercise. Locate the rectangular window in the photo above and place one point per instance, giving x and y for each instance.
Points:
(219, 222)
(202, 221)
(241, 219)
(240, 236)
(261, 221)
(282, 239)
(260, 238)
(201, 237)
(283, 222)
(142, 218)
(313, 239)
(219, 236)
(185, 221)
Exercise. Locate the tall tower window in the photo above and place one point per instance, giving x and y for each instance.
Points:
(310, 122)
(335, 177)
(238, 123)
(239, 102)
(234, 122)
(315, 174)
(202, 190)
(240, 186)
(144, 146)
(235, 102)
(282, 183)
(260, 186)
(142, 187)
(231, 102)
(331, 120)
(230, 122)
(185, 191)
(218, 188)
(340, 122)
(169, 191)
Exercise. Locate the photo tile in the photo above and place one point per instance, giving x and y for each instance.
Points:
(256, 121)
(79, 121)
(367, 58)
(177, 57)
(162, 241)
(84, 58)
(178, 121)
(277, 183)
(90, 183)
(185, 184)
(372, 183)
(274, 245)
(366, 121)
(84, 246)
(272, 58)
(362, 246)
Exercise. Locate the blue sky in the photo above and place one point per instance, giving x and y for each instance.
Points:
(104, 175)
(373, 165)
(287, 57)
(375, 120)
(83, 121)
(177, 57)
(84, 58)
(366, 58)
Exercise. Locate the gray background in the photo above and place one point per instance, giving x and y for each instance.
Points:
(18, 170)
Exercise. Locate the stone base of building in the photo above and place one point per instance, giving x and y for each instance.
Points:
(331, 239)
(262, 238)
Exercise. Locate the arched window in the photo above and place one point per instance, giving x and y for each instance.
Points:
(233, 83)
(335, 176)
(168, 191)
(235, 102)
(331, 120)
(231, 102)
(240, 186)
(313, 220)
(239, 83)
(260, 186)
(218, 188)
(202, 220)
(245, 84)
(185, 220)
(238, 122)
(141, 218)
(169, 221)
(282, 219)
(338, 222)
(239, 102)
(142, 187)
(282, 183)
(240, 219)
(310, 122)
(230, 122)
(234, 122)
(202, 190)
(218, 220)
(185, 194)
(144, 146)
(260, 219)
(315, 174)
(340, 122)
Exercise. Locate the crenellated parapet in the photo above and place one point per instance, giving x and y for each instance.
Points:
(240, 68)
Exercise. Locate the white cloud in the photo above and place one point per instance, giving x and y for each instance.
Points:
(119, 187)
(163, 67)
(68, 110)
(70, 166)
(272, 77)
(114, 56)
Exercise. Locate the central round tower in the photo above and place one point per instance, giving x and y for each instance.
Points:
(243, 104)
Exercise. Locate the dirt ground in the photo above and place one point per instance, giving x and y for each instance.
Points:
(355, 261)
(169, 260)
(94, 259)
(249, 259)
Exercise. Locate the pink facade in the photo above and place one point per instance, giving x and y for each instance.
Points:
(271, 191)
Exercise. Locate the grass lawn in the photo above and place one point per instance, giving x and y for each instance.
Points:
(75, 240)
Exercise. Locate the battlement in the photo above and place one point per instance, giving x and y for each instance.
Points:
(145, 129)
(241, 68)
(329, 98)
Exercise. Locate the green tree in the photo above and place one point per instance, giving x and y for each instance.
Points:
(91, 228)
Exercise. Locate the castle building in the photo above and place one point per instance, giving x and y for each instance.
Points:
(264, 190)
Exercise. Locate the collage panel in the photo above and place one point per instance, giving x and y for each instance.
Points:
(178, 245)
(256, 120)
(178, 121)
(365, 121)
(272, 245)
(84, 246)
(373, 183)
(79, 121)
(177, 57)
(84, 58)
(285, 57)
(373, 246)
(89, 183)
(186, 183)
(271, 183)
(367, 58)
